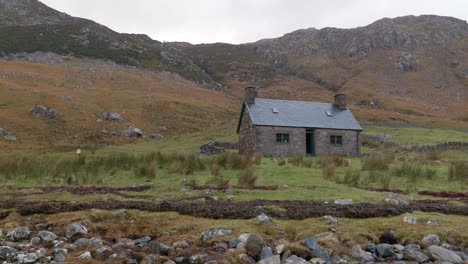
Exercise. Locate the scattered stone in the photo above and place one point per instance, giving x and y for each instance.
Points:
(230, 197)
(254, 245)
(35, 241)
(112, 116)
(152, 259)
(344, 201)
(316, 250)
(76, 229)
(295, 260)
(18, 234)
(221, 247)
(86, 255)
(413, 252)
(10, 137)
(317, 261)
(156, 136)
(279, 248)
(7, 252)
(385, 250)
(433, 222)
(133, 132)
(395, 199)
(199, 258)
(115, 133)
(264, 219)
(68, 98)
(266, 252)
(3, 131)
(103, 249)
(330, 219)
(324, 237)
(91, 242)
(207, 235)
(233, 243)
(43, 112)
(362, 255)
(444, 255)
(410, 219)
(431, 239)
(159, 248)
(60, 258)
(120, 213)
(213, 147)
(270, 260)
(27, 258)
(47, 235)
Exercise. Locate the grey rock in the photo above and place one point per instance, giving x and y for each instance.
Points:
(120, 213)
(410, 220)
(330, 219)
(91, 242)
(103, 249)
(47, 235)
(3, 131)
(112, 116)
(271, 260)
(220, 247)
(27, 258)
(142, 241)
(68, 98)
(207, 235)
(266, 252)
(181, 244)
(432, 221)
(86, 255)
(395, 199)
(7, 252)
(254, 245)
(76, 229)
(315, 249)
(327, 200)
(444, 255)
(43, 112)
(407, 63)
(364, 256)
(233, 243)
(132, 131)
(414, 253)
(244, 258)
(324, 237)
(156, 136)
(295, 260)
(152, 259)
(431, 239)
(10, 137)
(18, 234)
(199, 258)
(156, 247)
(385, 250)
(35, 241)
(60, 258)
(264, 219)
(317, 261)
(343, 201)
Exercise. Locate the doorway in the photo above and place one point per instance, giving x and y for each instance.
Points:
(310, 142)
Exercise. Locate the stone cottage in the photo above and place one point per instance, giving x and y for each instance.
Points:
(279, 128)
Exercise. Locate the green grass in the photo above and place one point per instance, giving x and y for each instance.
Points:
(418, 136)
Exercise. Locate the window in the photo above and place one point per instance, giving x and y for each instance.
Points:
(282, 138)
(336, 140)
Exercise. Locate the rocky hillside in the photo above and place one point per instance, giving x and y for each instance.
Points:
(29, 26)
(403, 68)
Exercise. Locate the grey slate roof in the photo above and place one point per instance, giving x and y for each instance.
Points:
(301, 114)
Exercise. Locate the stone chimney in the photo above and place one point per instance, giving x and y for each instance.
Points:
(340, 101)
(250, 94)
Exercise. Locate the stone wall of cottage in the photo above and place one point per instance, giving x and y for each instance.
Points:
(266, 141)
(247, 137)
(351, 145)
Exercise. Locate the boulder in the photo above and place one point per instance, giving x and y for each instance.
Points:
(233, 243)
(47, 235)
(35, 241)
(254, 245)
(385, 250)
(68, 98)
(266, 253)
(330, 219)
(27, 258)
(86, 255)
(76, 229)
(343, 201)
(432, 221)
(43, 112)
(85, 242)
(10, 137)
(412, 252)
(7, 252)
(158, 248)
(410, 220)
(207, 235)
(270, 260)
(264, 219)
(156, 136)
(112, 116)
(2, 131)
(444, 255)
(315, 249)
(18, 234)
(199, 258)
(395, 199)
(361, 255)
(142, 241)
(133, 132)
(295, 260)
(431, 239)
(246, 259)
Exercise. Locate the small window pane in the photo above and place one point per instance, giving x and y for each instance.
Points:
(336, 140)
(282, 138)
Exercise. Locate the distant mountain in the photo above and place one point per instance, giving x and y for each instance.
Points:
(29, 26)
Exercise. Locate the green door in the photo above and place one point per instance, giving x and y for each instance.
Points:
(310, 142)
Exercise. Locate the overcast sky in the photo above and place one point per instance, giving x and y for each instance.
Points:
(240, 21)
